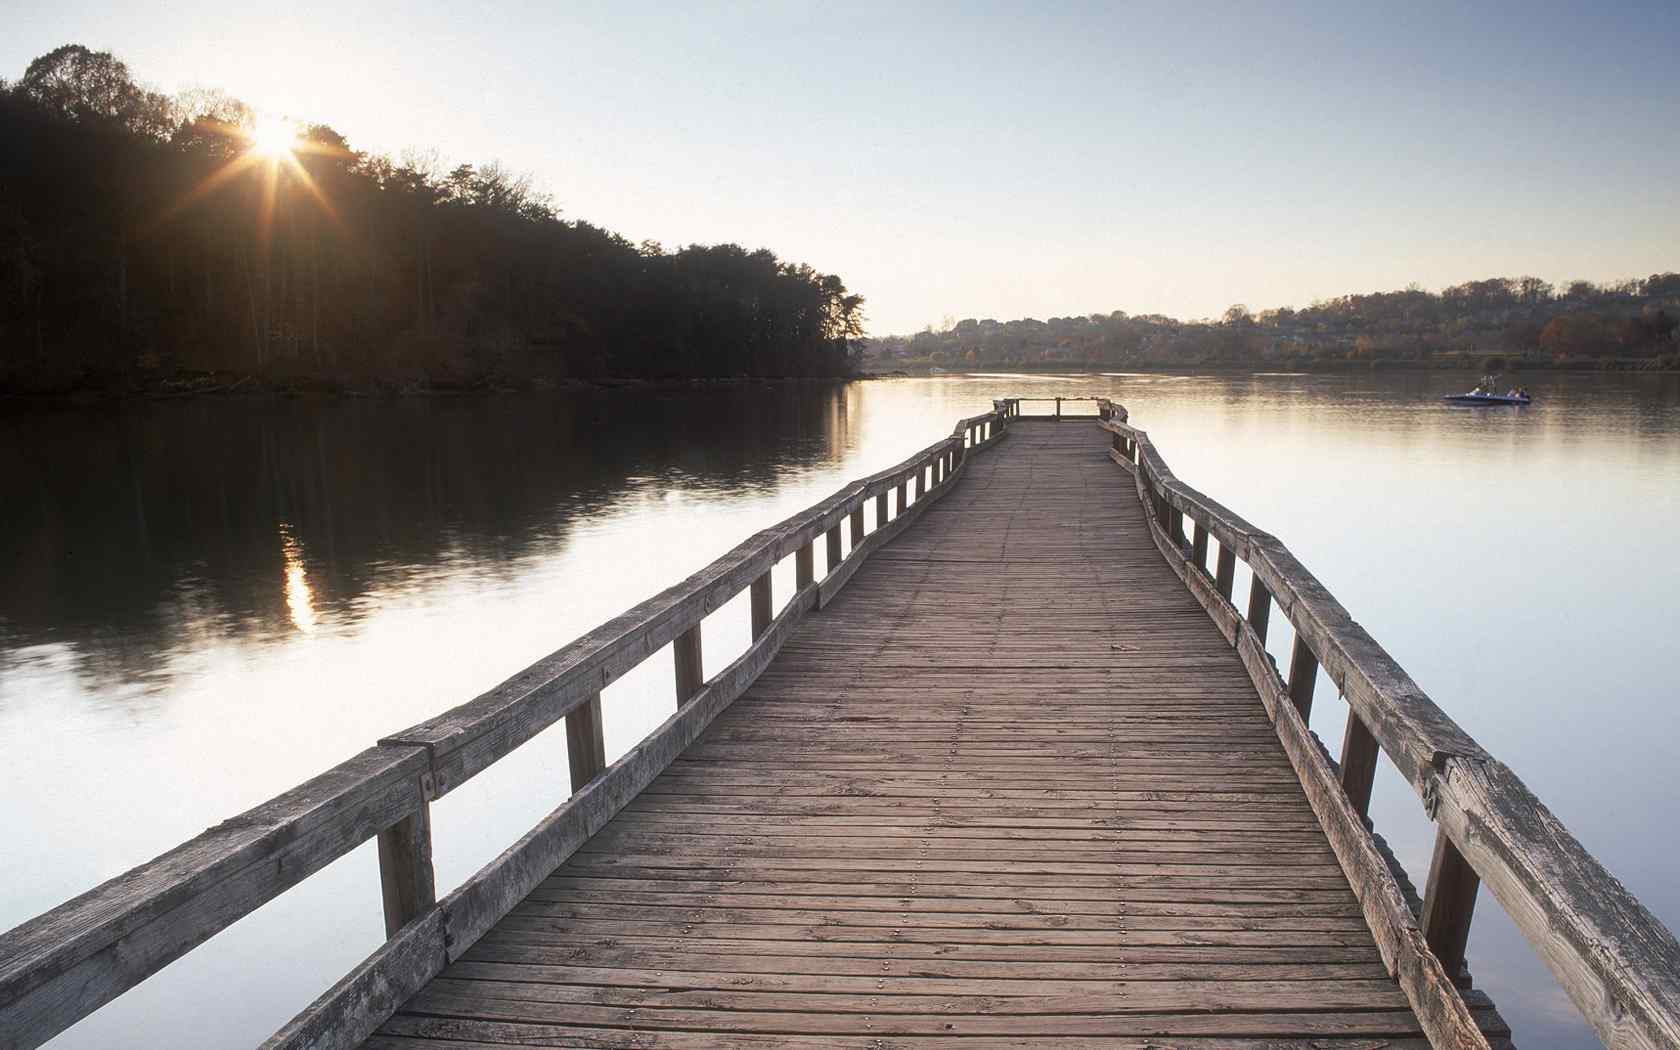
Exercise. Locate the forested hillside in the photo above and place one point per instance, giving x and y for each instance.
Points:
(150, 241)
(1498, 322)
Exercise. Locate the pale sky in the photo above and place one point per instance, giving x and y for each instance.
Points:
(983, 160)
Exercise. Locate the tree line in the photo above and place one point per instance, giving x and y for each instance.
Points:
(148, 240)
(1494, 322)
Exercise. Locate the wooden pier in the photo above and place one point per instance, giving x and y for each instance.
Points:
(1013, 769)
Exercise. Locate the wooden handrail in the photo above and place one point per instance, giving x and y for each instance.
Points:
(1618, 963)
(62, 965)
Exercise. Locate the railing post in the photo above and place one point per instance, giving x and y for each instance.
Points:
(903, 496)
(804, 559)
(857, 525)
(1449, 900)
(921, 480)
(834, 552)
(1058, 408)
(1199, 547)
(1259, 606)
(1303, 675)
(1116, 442)
(1359, 764)
(586, 745)
(690, 676)
(880, 509)
(761, 615)
(1175, 527)
(1225, 578)
(405, 869)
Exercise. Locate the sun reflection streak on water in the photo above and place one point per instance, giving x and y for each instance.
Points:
(300, 603)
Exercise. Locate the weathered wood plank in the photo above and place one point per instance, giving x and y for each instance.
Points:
(1449, 901)
(1226, 575)
(1259, 607)
(689, 662)
(61, 966)
(1444, 1015)
(1303, 675)
(1619, 964)
(900, 799)
(586, 745)
(1359, 764)
(407, 885)
(479, 732)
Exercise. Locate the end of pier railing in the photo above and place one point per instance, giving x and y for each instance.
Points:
(61, 966)
(1618, 963)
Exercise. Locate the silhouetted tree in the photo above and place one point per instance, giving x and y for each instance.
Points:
(141, 236)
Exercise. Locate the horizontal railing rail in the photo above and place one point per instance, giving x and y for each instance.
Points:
(1015, 404)
(1617, 962)
(62, 965)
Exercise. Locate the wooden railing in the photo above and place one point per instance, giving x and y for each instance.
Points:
(64, 964)
(1617, 962)
(1015, 404)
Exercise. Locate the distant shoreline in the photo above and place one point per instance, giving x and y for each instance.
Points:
(212, 385)
(1635, 366)
(218, 386)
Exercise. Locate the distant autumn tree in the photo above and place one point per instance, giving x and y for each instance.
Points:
(1575, 335)
(1533, 290)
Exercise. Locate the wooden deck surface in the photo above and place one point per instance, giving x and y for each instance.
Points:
(1011, 786)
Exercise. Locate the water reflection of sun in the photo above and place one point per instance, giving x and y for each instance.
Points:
(299, 601)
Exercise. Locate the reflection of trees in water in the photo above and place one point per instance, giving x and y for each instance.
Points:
(135, 532)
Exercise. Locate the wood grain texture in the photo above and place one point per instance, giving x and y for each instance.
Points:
(406, 882)
(1446, 1016)
(1618, 962)
(1449, 901)
(586, 745)
(1010, 784)
(64, 964)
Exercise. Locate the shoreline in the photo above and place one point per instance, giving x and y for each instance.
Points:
(1274, 368)
(211, 386)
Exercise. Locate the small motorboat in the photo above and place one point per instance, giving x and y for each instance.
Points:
(1484, 395)
(1481, 397)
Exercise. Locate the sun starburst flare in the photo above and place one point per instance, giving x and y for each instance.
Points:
(273, 145)
(273, 137)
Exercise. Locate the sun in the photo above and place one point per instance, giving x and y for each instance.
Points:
(272, 137)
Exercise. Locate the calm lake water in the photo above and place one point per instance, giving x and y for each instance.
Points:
(207, 602)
